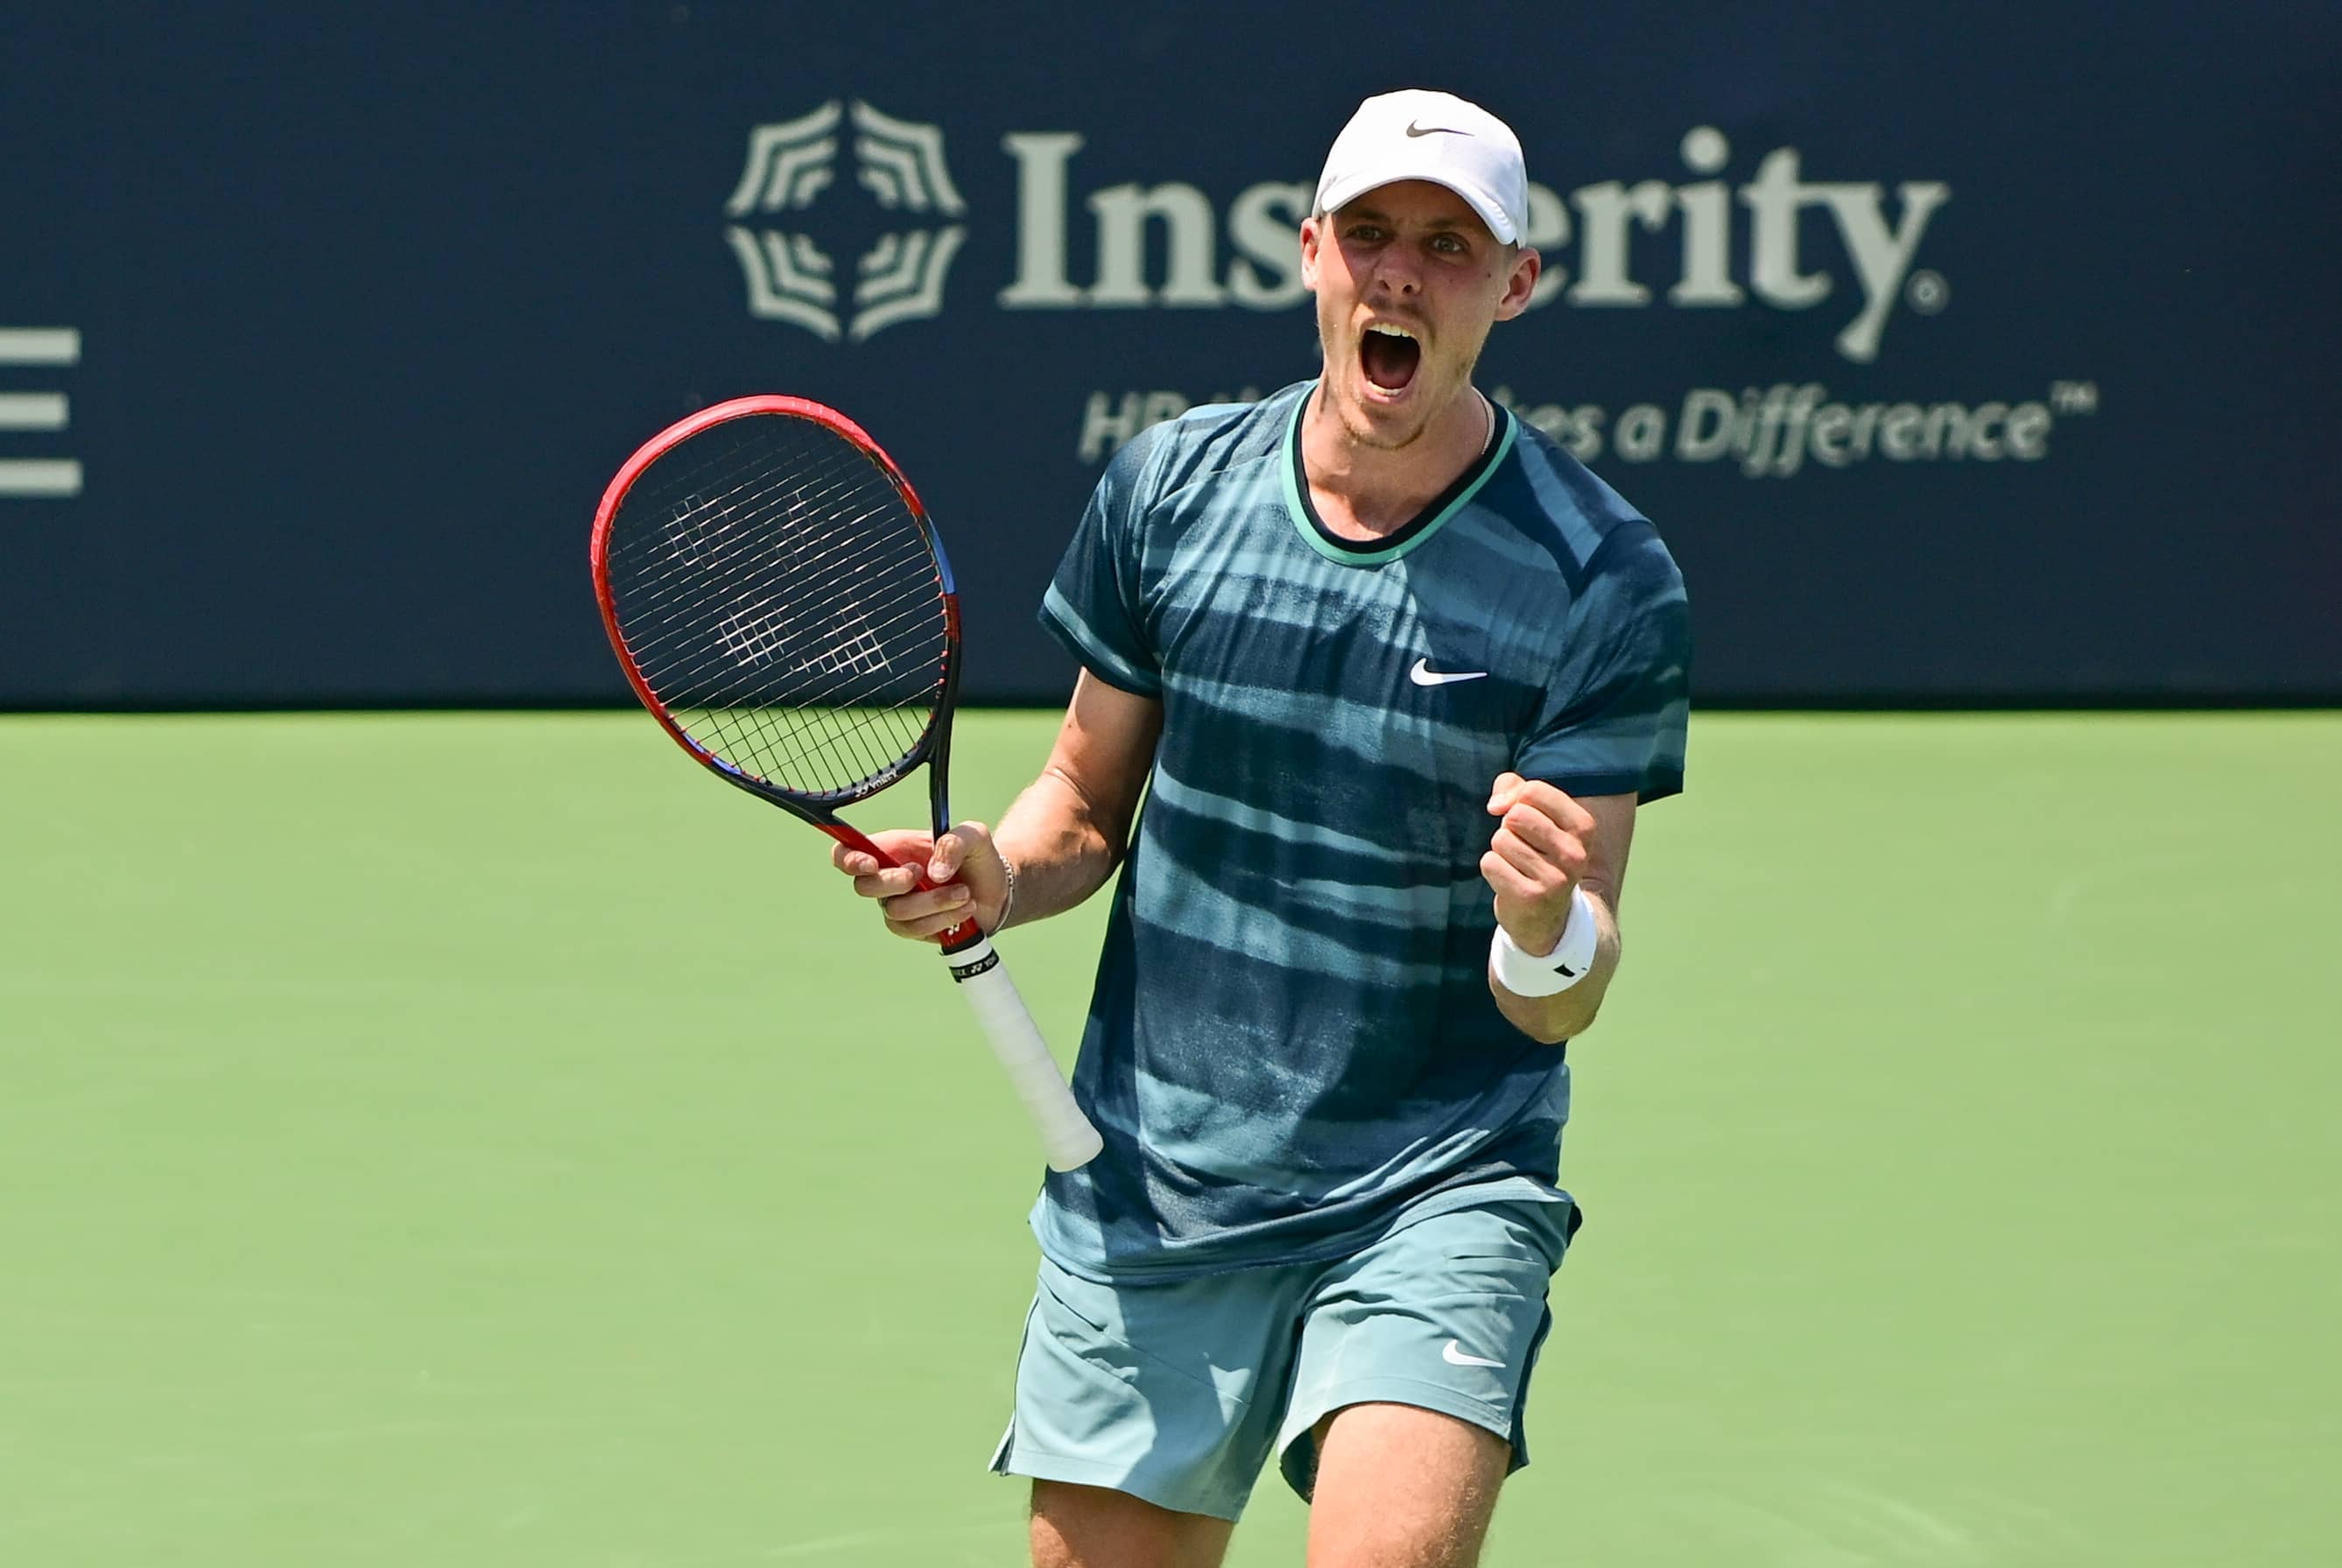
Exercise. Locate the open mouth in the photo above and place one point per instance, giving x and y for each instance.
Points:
(1389, 354)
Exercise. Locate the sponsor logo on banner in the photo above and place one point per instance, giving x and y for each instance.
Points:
(40, 413)
(1769, 237)
(1587, 238)
(789, 277)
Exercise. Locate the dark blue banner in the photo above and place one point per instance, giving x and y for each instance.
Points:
(1980, 352)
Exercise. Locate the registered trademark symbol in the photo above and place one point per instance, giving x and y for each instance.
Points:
(1927, 291)
(2074, 396)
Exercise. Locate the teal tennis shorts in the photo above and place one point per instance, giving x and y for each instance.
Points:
(1177, 1392)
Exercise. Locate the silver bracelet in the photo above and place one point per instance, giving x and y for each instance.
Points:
(1008, 893)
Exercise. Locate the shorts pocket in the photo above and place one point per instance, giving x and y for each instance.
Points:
(1077, 1297)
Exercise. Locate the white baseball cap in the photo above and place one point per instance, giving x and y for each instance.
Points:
(1437, 136)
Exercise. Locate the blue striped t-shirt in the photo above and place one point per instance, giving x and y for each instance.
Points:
(1291, 1044)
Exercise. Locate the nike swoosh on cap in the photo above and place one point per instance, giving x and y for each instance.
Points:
(1414, 130)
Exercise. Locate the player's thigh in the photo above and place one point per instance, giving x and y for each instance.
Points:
(1077, 1526)
(1399, 1486)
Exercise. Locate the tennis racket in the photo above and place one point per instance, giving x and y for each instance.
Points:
(782, 605)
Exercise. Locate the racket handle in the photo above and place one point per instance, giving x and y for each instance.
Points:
(1068, 1141)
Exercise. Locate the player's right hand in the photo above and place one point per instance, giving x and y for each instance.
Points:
(970, 876)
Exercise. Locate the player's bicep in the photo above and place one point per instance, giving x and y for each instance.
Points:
(1105, 749)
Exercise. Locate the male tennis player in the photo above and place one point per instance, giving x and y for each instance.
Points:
(1373, 651)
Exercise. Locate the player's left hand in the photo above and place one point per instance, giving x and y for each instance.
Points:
(1535, 859)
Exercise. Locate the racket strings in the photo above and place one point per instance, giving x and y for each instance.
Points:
(835, 656)
(742, 621)
(695, 538)
(782, 601)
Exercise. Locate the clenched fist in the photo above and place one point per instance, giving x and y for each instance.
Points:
(1535, 860)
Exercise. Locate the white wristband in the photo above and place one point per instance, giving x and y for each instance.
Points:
(1526, 974)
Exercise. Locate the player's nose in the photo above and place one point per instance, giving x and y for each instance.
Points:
(1398, 274)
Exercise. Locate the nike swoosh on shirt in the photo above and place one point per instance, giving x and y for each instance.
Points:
(1423, 675)
(1414, 130)
(1454, 1354)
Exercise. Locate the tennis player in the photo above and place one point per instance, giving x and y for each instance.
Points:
(1392, 673)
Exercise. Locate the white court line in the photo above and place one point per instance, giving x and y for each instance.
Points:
(40, 345)
(32, 411)
(37, 476)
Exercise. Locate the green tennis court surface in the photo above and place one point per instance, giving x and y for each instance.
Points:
(482, 1140)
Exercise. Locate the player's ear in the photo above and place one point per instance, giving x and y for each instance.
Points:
(1520, 283)
(1312, 235)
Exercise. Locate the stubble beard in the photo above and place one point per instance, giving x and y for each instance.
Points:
(1364, 432)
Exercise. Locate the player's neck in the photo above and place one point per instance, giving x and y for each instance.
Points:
(1365, 492)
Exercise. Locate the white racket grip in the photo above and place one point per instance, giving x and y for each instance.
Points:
(1068, 1141)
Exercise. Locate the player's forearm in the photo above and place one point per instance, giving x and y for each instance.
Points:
(1060, 844)
(1566, 1014)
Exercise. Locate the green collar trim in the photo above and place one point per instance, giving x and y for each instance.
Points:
(1416, 529)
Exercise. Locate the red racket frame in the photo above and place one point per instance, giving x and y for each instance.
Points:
(934, 746)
